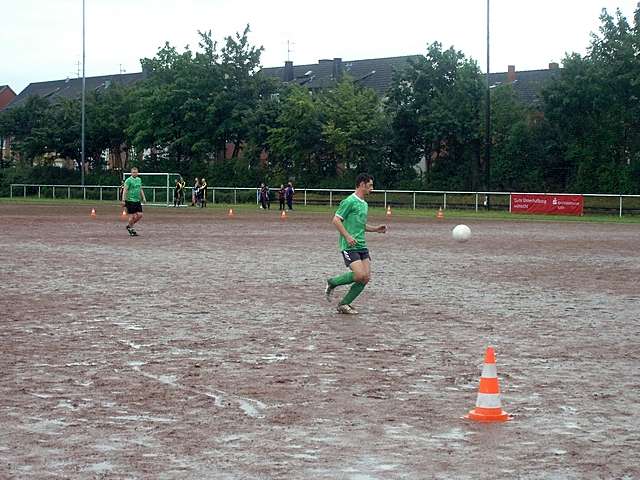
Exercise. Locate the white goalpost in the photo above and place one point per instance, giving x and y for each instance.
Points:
(158, 187)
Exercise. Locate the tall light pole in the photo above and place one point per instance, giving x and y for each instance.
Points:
(487, 138)
(83, 99)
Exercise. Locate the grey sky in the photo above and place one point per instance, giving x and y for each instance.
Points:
(42, 39)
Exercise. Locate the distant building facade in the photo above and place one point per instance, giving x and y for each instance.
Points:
(6, 97)
(377, 74)
(71, 88)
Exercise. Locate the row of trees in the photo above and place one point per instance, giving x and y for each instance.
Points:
(194, 106)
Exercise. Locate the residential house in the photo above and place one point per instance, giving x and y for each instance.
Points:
(6, 97)
(377, 73)
(527, 84)
(71, 88)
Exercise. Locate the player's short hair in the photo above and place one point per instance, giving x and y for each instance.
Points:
(134, 168)
(363, 177)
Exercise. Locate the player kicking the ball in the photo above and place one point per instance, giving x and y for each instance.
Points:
(351, 221)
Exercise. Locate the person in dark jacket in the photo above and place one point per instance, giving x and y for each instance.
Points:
(289, 193)
(264, 197)
(281, 196)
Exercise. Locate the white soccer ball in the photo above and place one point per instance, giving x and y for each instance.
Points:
(461, 233)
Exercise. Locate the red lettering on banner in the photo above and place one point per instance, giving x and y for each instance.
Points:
(561, 204)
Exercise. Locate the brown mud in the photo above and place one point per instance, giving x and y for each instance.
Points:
(205, 348)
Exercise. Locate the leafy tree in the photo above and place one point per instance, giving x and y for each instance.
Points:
(194, 103)
(242, 90)
(355, 131)
(594, 109)
(30, 127)
(435, 109)
(519, 154)
(295, 140)
(107, 114)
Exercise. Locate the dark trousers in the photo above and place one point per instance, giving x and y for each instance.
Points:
(290, 203)
(282, 204)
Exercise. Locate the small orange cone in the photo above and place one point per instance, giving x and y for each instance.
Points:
(124, 214)
(93, 213)
(389, 211)
(488, 408)
(283, 215)
(440, 214)
(230, 214)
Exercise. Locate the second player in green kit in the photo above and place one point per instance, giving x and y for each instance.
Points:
(132, 195)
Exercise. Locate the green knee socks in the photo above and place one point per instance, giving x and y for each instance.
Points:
(344, 279)
(352, 294)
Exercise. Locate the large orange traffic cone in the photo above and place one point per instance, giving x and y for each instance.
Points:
(488, 408)
(93, 213)
(440, 214)
(389, 211)
(283, 215)
(230, 214)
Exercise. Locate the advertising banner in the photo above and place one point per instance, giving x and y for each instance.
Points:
(549, 204)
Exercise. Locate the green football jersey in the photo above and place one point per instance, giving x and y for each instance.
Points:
(133, 189)
(353, 211)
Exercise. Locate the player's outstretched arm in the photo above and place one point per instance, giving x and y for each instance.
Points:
(376, 229)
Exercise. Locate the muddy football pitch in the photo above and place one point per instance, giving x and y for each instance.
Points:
(205, 348)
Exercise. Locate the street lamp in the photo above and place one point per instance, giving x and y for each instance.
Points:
(487, 138)
(83, 99)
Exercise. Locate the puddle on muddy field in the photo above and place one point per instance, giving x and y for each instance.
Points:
(101, 467)
(274, 357)
(454, 434)
(143, 418)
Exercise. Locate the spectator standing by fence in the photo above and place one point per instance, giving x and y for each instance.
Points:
(178, 192)
(194, 192)
(281, 196)
(264, 197)
(203, 193)
(289, 193)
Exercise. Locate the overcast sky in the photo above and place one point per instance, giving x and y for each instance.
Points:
(42, 39)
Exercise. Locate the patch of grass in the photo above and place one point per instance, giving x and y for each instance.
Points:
(458, 214)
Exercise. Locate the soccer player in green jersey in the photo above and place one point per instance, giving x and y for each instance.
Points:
(351, 221)
(132, 193)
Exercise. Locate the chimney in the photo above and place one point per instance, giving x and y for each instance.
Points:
(554, 66)
(287, 76)
(511, 74)
(337, 69)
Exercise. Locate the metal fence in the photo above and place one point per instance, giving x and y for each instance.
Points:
(412, 199)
